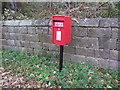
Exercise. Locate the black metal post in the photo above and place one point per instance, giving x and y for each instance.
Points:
(61, 58)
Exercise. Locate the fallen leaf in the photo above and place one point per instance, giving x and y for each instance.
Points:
(109, 86)
(90, 78)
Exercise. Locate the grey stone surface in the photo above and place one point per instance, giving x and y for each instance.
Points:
(10, 42)
(20, 36)
(78, 58)
(93, 43)
(17, 43)
(99, 32)
(103, 43)
(53, 47)
(4, 29)
(113, 55)
(112, 44)
(118, 45)
(67, 56)
(12, 36)
(4, 42)
(93, 22)
(102, 53)
(12, 22)
(79, 31)
(32, 30)
(45, 38)
(85, 51)
(109, 22)
(34, 37)
(10, 29)
(81, 41)
(6, 36)
(22, 30)
(26, 22)
(115, 33)
(114, 65)
(44, 22)
(70, 50)
(37, 45)
(1, 35)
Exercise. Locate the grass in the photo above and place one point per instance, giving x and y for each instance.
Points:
(43, 67)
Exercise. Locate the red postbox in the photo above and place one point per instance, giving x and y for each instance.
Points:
(61, 30)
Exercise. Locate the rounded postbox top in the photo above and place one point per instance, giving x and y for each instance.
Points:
(59, 17)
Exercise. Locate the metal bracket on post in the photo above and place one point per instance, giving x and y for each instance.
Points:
(61, 58)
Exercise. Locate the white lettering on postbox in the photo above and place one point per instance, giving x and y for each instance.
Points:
(59, 24)
(58, 35)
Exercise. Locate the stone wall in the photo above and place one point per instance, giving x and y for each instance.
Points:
(94, 40)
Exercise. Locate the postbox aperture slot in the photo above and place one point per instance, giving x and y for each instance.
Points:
(57, 21)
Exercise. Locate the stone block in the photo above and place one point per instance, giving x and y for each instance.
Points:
(42, 30)
(81, 41)
(113, 55)
(4, 42)
(112, 44)
(17, 43)
(20, 36)
(81, 51)
(114, 65)
(109, 22)
(31, 30)
(103, 63)
(4, 29)
(31, 37)
(79, 31)
(78, 58)
(85, 51)
(102, 53)
(45, 38)
(6, 35)
(91, 60)
(22, 30)
(118, 45)
(103, 43)
(22, 49)
(115, 33)
(91, 22)
(13, 36)
(53, 47)
(106, 43)
(25, 23)
(1, 35)
(92, 43)
(99, 32)
(70, 50)
(41, 22)
(10, 29)
(27, 44)
(12, 23)
(67, 56)
(10, 42)
(37, 45)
